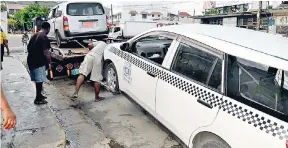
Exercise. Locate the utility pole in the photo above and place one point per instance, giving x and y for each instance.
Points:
(112, 15)
(178, 15)
(259, 16)
(193, 16)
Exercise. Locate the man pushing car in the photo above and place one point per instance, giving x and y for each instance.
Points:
(93, 63)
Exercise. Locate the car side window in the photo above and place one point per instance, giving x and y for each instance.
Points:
(198, 65)
(152, 47)
(257, 83)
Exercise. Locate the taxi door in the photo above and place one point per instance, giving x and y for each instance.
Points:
(189, 88)
(143, 66)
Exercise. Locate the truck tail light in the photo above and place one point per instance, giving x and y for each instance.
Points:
(69, 66)
(65, 23)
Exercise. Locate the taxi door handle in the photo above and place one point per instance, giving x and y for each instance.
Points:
(151, 74)
(205, 103)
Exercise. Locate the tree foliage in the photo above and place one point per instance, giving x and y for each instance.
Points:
(25, 16)
(3, 8)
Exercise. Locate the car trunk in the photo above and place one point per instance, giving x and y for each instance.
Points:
(86, 17)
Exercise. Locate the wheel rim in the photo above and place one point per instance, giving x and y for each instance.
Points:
(111, 79)
(58, 40)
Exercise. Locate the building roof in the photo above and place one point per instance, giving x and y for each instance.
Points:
(230, 15)
(184, 14)
(15, 6)
(144, 12)
(133, 12)
(156, 13)
(252, 45)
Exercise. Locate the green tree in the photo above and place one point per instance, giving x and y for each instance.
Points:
(12, 24)
(24, 17)
(3, 8)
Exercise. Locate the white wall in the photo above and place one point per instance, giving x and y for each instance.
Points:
(126, 16)
(230, 21)
(4, 21)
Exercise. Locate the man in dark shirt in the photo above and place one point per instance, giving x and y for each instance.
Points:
(39, 60)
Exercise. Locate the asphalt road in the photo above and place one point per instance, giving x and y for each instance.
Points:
(112, 123)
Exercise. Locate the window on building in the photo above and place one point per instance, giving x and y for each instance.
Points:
(11, 11)
(257, 84)
(133, 14)
(158, 15)
(144, 16)
(152, 15)
(198, 65)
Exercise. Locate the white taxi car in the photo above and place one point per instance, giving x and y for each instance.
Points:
(212, 86)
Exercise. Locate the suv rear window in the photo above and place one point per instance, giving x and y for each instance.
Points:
(84, 9)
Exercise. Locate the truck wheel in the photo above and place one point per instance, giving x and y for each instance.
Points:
(58, 40)
(209, 140)
(112, 78)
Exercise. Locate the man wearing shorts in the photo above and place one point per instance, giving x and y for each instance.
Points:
(92, 64)
(38, 60)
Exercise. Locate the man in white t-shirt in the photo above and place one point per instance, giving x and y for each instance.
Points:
(93, 63)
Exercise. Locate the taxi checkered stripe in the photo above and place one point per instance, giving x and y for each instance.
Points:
(214, 99)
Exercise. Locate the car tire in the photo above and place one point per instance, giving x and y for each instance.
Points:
(58, 39)
(111, 77)
(210, 141)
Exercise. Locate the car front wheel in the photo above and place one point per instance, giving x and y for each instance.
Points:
(111, 76)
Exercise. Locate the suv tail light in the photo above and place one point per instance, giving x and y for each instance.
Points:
(65, 23)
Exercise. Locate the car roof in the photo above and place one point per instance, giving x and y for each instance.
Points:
(269, 44)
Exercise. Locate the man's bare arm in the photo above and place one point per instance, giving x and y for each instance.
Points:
(48, 56)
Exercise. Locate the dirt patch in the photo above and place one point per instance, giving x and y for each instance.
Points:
(114, 144)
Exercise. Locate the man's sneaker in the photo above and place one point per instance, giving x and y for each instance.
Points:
(40, 102)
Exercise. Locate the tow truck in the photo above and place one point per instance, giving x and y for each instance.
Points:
(66, 61)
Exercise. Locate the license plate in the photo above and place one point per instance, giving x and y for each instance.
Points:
(74, 72)
(88, 24)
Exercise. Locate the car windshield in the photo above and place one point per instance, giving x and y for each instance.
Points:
(260, 83)
(85, 9)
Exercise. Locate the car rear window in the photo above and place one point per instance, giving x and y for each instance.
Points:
(84, 9)
(259, 83)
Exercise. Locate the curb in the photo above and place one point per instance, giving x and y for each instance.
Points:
(62, 143)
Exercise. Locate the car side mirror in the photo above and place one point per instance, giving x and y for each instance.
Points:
(124, 46)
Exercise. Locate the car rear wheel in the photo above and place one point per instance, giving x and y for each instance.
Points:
(209, 140)
(58, 40)
(111, 78)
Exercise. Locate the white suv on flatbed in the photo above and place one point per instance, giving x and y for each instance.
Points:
(77, 21)
(212, 86)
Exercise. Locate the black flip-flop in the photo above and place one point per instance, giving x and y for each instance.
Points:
(100, 99)
(40, 102)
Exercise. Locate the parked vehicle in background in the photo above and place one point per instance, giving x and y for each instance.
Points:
(208, 84)
(36, 23)
(130, 29)
(77, 21)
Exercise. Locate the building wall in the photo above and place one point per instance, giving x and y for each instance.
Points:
(4, 23)
(126, 16)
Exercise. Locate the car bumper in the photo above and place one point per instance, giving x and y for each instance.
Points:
(86, 35)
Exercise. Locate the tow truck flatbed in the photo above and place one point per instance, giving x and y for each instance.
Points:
(66, 61)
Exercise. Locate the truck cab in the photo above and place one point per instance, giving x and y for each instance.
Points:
(116, 32)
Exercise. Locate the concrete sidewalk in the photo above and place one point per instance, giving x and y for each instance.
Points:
(36, 126)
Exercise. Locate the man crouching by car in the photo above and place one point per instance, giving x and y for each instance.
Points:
(92, 64)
